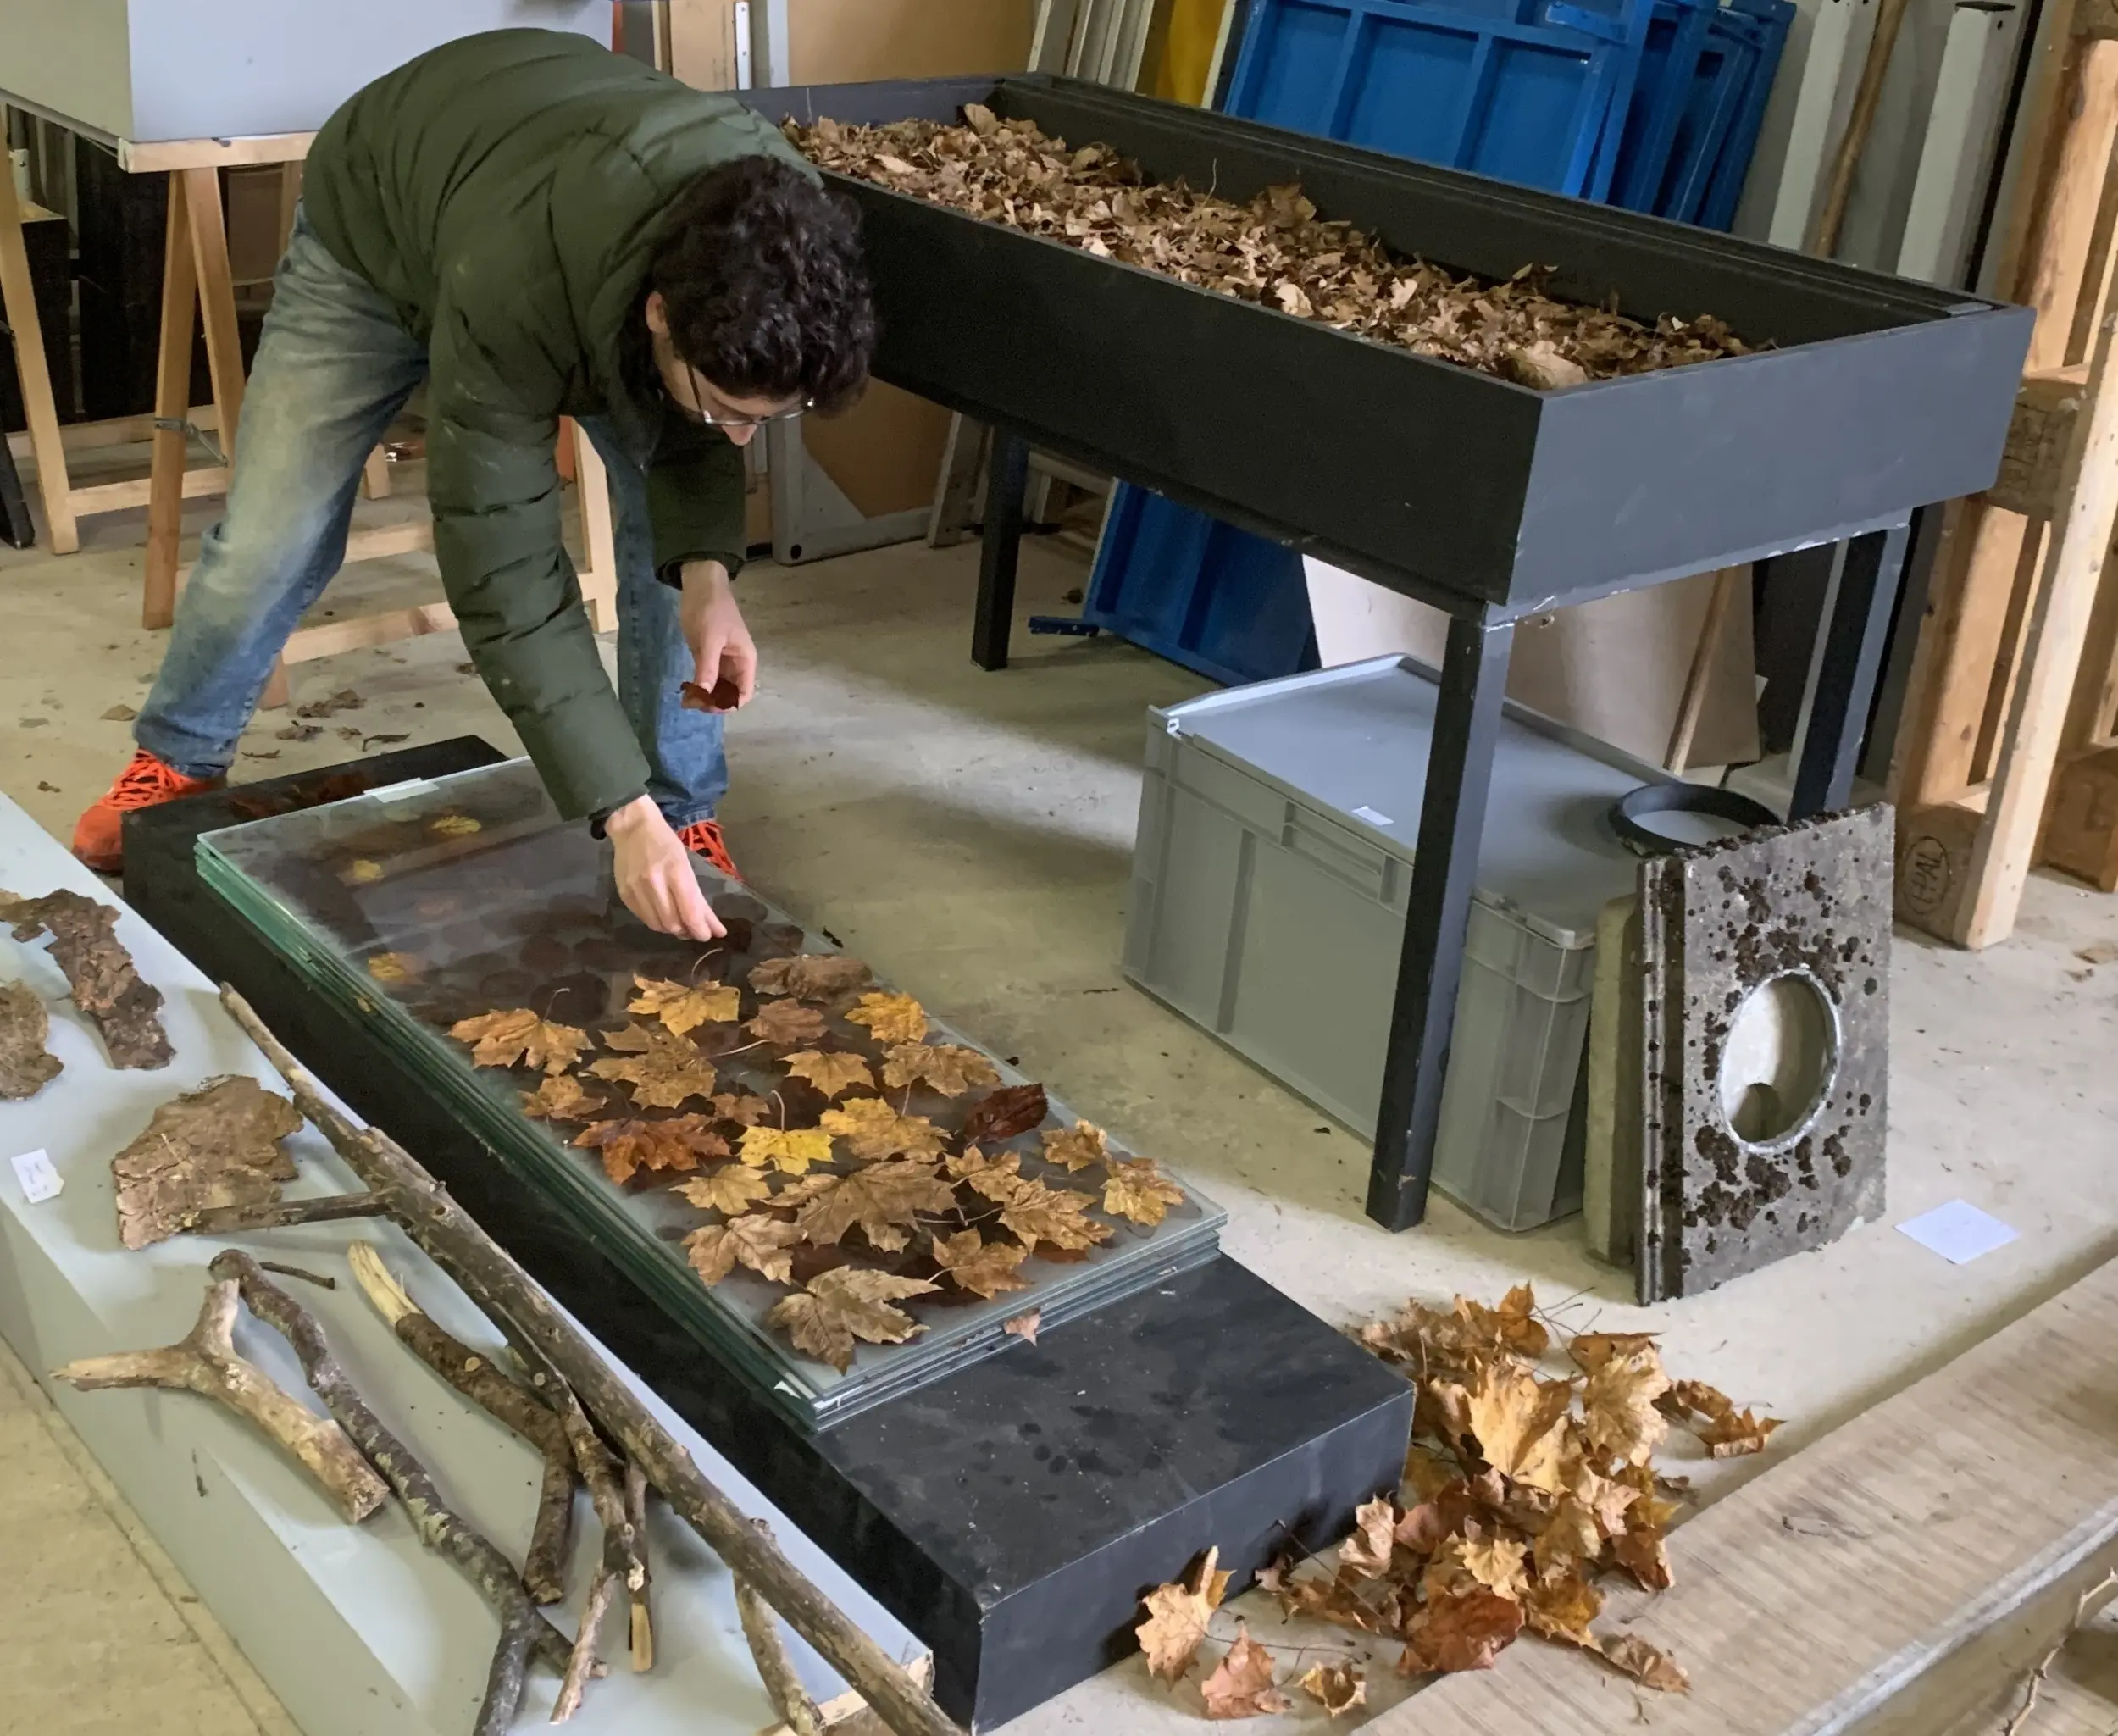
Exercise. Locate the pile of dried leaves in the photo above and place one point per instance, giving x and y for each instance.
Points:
(1522, 1489)
(867, 1167)
(1274, 250)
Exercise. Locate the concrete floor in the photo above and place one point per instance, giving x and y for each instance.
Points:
(971, 834)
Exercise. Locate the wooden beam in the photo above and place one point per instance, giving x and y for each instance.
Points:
(113, 431)
(18, 304)
(599, 540)
(138, 491)
(310, 643)
(173, 155)
(216, 295)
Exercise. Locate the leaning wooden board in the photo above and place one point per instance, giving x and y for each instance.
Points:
(1810, 1595)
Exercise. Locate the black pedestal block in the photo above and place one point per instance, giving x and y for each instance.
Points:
(1010, 1515)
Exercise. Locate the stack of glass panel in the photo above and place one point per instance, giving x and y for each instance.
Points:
(426, 904)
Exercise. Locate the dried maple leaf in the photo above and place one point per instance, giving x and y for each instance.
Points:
(872, 1129)
(1561, 1608)
(1076, 1147)
(1643, 1552)
(982, 1268)
(1002, 1114)
(454, 825)
(559, 1097)
(517, 1035)
(1591, 1350)
(743, 1111)
(1024, 1326)
(787, 1024)
(1175, 1625)
(973, 1163)
(1570, 1536)
(947, 1068)
(759, 1241)
(1140, 1192)
(1618, 1405)
(1644, 1663)
(1366, 1554)
(680, 1144)
(731, 1190)
(792, 1150)
(1518, 1422)
(665, 1071)
(1031, 1209)
(395, 966)
(814, 976)
(1515, 1323)
(1726, 1432)
(884, 1200)
(1336, 1688)
(1241, 1685)
(1495, 1564)
(894, 1018)
(682, 1008)
(847, 1304)
(830, 1073)
(1339, 1602)
(1465, 1631)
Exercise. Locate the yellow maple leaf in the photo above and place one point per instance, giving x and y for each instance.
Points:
(760, 1242)
(1366, 1554)
(792, 1150)
(1241, 1684)
(517, 1035)
(894, 1018)
(1618, 1410)
(1561, 1607)
(1338, 1688)
(683, 1008)
(1138, 1191)
(873, 1129)
(830, 1073)
(665, 1071)
(1175, 1626)
(731, 1190)
(945, 1067)
(560, 1097)
(1518, 1421)
(981, 1268)
(1076, 1147)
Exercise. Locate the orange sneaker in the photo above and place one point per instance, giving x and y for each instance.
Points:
(703, 838)
(147, 782)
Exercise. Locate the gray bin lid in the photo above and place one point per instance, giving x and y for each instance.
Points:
(1354, 741)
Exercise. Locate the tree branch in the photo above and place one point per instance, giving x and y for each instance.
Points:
(286, 1214)
(789, 1699)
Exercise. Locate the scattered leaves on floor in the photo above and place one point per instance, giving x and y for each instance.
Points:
(682, 1007)
(119, 715)
(1464, 1630)
(679, 1145)
(1241, 1684)
(981, 1268)
(2099, 953)
(298, 732)
(25, 1066)
(1633, 1657)
(845, 1305)
(787, 1024)
(814, 976)
(665, 1071)
(894, 1018)
(830, 1073)
(1003, 1114)
(346, 699)
(758, 1241)
(1711, 1415)
(518, 1036)
(217, 1147)
(947, 1068)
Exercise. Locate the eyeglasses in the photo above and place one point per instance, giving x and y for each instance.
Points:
(697, 412)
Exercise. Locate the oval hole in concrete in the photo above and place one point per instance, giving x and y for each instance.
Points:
(1781, 1055)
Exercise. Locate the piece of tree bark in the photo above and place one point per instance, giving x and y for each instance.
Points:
(205, 1362)
(123, 1006)
(26, 1067)
(404, 1190)
(524, 1632)
(642, 1627)
(474, 1376)
(217, 1147)
(789, 1699)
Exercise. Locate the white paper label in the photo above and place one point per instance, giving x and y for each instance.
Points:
(1371, 816)
(40, 1179)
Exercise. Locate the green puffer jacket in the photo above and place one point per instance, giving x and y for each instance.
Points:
(505, 191)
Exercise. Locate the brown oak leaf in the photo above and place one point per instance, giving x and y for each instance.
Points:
(1241, 1685)
(1645, 1663)
(1002, 1114)
(1618, 1405)
(560, 1097)
(1464, 1631)
(1336, 1688)
(1140, 1192)
(884, 1200)
(517, 1035)
(1366, 1554)
(1561, 1608)
(680, 1144)
(871, 1128)
(894, 1018)
(947, 1068)
(981, 1268)
(1175, 1625)
(731, 1190)
(1076, 1147)
(664, 1070)
(683, 1008)
(830, 1073)
(814, 976)
(760, 1242)
(792, 1150)
(787, 1024)
(845, 1304)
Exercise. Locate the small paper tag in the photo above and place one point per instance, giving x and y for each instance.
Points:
(1958, 1232)
(1373, 816)
(39, 1177)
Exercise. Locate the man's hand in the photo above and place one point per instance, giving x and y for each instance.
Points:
(714, 628)
(654, 874)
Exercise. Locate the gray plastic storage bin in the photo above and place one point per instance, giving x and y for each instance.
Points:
(1269, 883)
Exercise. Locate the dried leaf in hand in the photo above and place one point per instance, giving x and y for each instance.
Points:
(743, 1111)
(1591, 1350)
(1241, 1686)
(871, 1128)
(1618, 1405)
(792, 1150)
(847, 1304)
(680, 1144)
(830, 1073)
(946, 1068)
(1366, 1554)
(731, 1190)
(519, 1035)
(1138, 1191)
(1465, 1631)
(894, 1018)
(1024, 1326)
(1076, 1148)
(1175, 1626)
(884, 1200)
(1338, 1688)
(560, 1097)
(1645, 1663)
(217, 1147)
(814, 976)
(666, 1071)
(787, 1024)
(760, 1242)
(981, 1268)
(1563, 1608)
(25, 1066)
(1001, 1115)
(683, 1008)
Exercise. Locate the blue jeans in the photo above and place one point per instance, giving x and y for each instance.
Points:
(334, 367)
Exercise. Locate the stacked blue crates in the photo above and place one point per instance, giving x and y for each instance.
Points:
(1652, 105)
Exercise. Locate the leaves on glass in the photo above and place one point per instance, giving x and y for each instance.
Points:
(560, 1097)
(1336, 1688)
(395, 966)
(680, 1144)
(743, 1110)
(1024, 1326)
(845, 1305)
(1175, 1625)
(760, 1241)
(683, 1008)
(1031, 1209)
(665, 1071)
(981, 1268)
(731, 1190)
(1138, 1191)
(1076, 1148)
(814, 976)
(786, 1024)
(894, 1018)
(830, 1073)
(1241, 1684)
(871, 1128)
(883, 1201)
(946, 1068)
(792, 1150)
(518, 1036)
(1012, 1110)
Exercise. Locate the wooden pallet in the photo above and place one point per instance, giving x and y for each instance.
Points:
(2015, 602)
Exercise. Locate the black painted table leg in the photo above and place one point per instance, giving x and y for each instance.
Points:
(1007, 482)
(17, 529)
(1869, 568)
(1444, 873)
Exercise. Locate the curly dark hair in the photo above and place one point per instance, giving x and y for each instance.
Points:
(766, 284)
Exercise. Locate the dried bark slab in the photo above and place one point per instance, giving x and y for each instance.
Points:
(1274, 251)
(25, 1065)
(123, 1008)
(214, 1147)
